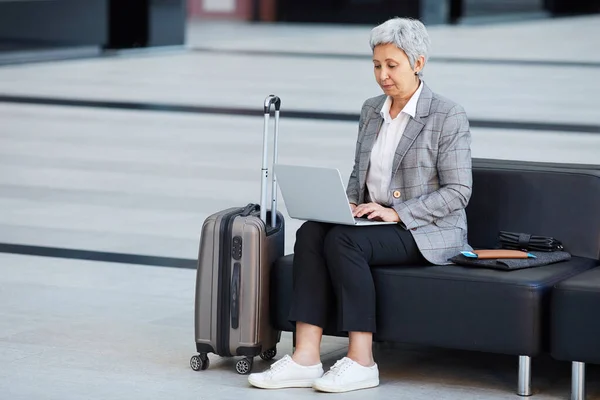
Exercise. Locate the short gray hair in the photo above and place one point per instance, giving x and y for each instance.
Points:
(409, 35)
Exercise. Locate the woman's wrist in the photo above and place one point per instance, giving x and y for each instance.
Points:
(395, 213)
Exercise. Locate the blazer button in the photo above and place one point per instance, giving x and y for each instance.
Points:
(396, 194)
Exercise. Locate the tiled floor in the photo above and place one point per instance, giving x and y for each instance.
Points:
(86, 330)
(142, 182)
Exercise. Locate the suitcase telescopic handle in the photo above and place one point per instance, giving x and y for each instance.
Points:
(270, 101)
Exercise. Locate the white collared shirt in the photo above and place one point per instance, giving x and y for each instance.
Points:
(379, 175)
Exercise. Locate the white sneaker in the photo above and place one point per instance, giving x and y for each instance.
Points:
(286, 373)
(347, 375)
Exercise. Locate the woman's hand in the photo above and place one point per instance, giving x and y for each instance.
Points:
(376, 212)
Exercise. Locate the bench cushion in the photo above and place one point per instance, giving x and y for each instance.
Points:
(452, 306)
(575, 319)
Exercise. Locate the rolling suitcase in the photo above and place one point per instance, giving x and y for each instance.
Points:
(238, 246)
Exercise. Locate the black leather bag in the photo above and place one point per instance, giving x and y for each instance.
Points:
(527, 242)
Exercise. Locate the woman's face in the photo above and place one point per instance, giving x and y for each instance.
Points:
(393, 72)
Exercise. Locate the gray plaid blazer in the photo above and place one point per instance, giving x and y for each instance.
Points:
(431, 173)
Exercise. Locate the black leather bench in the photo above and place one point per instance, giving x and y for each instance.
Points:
(575, 325)
(481, 309)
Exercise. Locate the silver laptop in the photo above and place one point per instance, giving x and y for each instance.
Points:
(317, 194)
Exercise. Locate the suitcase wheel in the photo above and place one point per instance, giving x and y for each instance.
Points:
(200, 362)
(244, 366)
(269, 354)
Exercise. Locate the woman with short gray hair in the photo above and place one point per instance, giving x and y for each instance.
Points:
(412, 168)
(408, 35)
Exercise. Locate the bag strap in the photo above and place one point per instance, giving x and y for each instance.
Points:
(524, 239)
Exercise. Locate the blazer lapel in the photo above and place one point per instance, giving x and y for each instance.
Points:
(413, 128)
(371, 131)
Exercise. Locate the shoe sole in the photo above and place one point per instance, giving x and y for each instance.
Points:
(347, 388)
(304, 383)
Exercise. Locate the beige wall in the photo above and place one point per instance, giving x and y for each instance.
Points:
(231, 9)
(221, 9)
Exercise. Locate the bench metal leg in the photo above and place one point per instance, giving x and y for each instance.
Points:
(578, 381)
(524, 376)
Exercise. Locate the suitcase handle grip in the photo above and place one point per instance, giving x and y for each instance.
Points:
(250, 208)
(269, 101)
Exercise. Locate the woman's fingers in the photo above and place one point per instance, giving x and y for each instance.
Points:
(375, 215)
(376, 212)
(364, 209)
(356, 210)
(380, 214)
(383, 214)
(359, 212)
(367, 208)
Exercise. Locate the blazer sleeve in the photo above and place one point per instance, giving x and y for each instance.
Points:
(353, 184)
(454, 171)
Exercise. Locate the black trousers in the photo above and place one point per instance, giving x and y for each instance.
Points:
(332, 272)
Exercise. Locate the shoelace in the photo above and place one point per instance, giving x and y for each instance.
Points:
(278, 366)
(339, 367)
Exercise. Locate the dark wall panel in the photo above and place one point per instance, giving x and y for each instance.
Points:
(346, 11)
(167, 22)
(54, 21)
(117, 24)
(572, 7)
